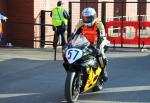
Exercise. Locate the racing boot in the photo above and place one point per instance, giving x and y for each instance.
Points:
(105, 75)
(103, 63)
(104, 72)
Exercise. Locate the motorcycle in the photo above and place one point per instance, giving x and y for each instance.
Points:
(82, 67)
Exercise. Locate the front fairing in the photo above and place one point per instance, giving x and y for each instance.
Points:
(76, 48)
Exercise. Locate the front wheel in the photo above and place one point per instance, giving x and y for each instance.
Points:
(72, 88)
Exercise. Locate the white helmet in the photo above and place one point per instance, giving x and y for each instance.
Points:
(88, 16)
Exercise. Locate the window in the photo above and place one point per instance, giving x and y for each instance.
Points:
(141, 9)
(93, 5)
(119, 9)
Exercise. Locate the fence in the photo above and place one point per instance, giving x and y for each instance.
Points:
(29, 34)
(127, 25)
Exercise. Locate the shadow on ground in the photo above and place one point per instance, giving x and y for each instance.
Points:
(31, 81)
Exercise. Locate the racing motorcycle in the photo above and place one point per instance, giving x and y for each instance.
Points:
(83, 70)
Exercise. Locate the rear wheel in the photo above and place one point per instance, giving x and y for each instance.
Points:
(72, 88)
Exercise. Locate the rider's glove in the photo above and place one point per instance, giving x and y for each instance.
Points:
(65, 47)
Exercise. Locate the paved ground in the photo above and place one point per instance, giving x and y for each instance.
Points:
(31, 76)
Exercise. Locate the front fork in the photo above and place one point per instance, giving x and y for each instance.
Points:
(79, 80)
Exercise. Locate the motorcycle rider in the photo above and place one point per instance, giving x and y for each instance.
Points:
(93, 29)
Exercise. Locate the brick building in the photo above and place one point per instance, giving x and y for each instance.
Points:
(23, 14)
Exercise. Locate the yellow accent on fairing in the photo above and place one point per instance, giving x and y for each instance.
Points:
(79, 24)
(91, 81)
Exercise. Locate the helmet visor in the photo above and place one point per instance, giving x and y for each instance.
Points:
(87, 19)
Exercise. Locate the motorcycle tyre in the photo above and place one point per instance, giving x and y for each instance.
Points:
(71, 76)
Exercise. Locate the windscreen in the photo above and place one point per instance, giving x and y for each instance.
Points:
(79, 41)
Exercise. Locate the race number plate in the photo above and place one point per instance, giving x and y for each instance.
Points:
(73, 54)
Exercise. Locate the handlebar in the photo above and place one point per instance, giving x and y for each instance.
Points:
(93, 51)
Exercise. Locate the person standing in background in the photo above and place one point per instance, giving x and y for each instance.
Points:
(59, 21)
(2, 17)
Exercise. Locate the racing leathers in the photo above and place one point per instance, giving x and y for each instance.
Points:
(97, 37)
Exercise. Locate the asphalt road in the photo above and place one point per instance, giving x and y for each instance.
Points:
(31, 76)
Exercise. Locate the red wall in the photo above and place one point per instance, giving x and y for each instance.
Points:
(19, 13)
(3, 7)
